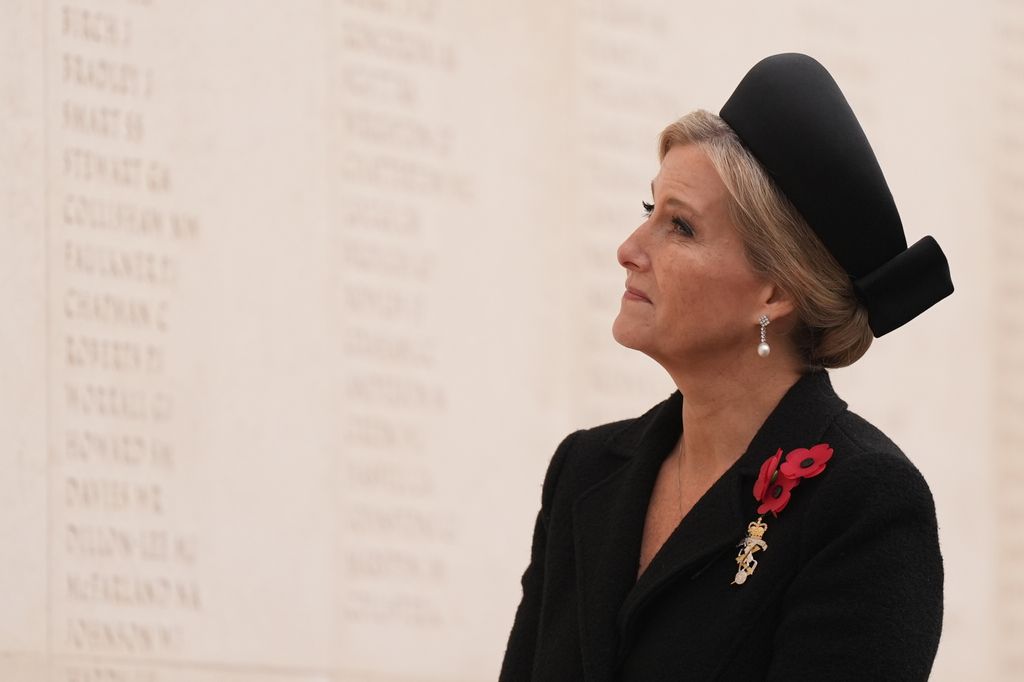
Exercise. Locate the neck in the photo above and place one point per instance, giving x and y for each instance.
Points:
(722, 411)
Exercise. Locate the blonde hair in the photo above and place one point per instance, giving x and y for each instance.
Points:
(832, 328)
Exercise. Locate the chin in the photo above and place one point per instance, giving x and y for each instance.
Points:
(624, 335)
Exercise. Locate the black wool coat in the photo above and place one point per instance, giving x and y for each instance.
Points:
(849, 587)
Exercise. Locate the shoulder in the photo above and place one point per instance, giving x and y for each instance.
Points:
(581, 459)
(588, 455)
(867, 459)
(624, 433)
(865, 558)
(870, 489)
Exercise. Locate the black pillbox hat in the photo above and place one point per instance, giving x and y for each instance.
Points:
(792, 116)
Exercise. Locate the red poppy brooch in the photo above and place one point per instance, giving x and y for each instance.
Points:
(773, 488)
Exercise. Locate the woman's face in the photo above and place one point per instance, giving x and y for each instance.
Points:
(699, 299)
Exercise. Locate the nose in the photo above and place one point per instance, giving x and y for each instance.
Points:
(632, 253)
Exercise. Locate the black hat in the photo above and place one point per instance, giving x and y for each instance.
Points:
(794, 119)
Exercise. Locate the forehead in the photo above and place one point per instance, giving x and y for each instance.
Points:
(688, 176)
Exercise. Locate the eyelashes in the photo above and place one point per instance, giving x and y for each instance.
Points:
(682, 227)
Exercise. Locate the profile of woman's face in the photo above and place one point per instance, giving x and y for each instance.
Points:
(698, 297)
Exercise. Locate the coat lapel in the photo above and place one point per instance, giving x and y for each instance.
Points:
(714, 525)
(609, 517)
(608, 523)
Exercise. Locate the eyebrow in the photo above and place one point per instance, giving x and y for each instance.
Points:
(678, 202)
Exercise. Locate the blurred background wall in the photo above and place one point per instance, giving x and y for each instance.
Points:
(290, 286)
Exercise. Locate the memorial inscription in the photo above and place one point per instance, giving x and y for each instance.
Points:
(622, 104)
(394, 172)
(322, 283)
(123, 571)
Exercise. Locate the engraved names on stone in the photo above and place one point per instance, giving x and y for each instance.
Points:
(391, 173)
(123, 576)
(621, 104)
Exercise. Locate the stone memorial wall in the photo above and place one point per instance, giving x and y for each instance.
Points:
(300, 298)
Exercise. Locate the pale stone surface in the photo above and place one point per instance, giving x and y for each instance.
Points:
(300, 299)
(23, 369)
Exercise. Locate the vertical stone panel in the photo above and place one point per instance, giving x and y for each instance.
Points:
(291, 287)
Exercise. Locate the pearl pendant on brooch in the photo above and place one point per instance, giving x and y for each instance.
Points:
(746, 564)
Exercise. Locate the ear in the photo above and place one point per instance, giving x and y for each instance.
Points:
(777, 304)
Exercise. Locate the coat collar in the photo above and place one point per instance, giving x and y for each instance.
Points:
(608, 518)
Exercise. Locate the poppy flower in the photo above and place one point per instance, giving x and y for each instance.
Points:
(806, 463)
(777, 496)
(769, 471)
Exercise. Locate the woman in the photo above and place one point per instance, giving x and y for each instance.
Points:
(749, 527)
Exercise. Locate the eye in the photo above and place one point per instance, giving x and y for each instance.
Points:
(648, 208)
(682, 226)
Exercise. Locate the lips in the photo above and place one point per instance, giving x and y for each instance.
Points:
(637, 293)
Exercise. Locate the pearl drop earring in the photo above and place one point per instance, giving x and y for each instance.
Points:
(763, 349)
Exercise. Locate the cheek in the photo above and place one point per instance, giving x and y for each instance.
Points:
(719, 296)
(735, 281)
